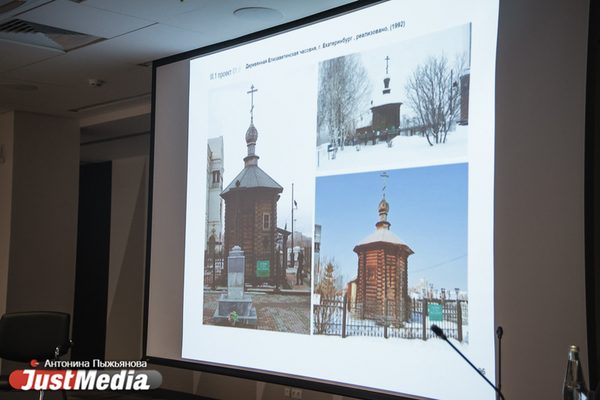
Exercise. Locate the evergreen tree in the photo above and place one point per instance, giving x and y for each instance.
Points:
(330, 303)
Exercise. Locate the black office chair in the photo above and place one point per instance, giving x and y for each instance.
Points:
(38, 335)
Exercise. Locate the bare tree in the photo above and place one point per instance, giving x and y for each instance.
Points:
(344, 91)
(326, 286)
(433, 93)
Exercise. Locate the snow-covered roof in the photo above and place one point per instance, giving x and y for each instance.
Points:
(380, 98)
(382, 235)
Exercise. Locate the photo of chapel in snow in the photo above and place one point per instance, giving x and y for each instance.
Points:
(257, 270)
(400, 105)
(393, 253)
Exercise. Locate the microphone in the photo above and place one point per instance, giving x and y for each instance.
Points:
(438, 331)
(499, 332)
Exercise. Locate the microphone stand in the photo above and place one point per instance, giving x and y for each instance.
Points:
(499, 332)
(438, 331)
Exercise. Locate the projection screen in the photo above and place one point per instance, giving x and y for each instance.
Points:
(322, 194)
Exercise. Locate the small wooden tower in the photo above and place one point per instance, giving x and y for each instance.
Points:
(251, 213)
(386, 109)
(382, 281)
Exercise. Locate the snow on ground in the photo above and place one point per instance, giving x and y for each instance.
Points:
(406, 152)
(428, 368)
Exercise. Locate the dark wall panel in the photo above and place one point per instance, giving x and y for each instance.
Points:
(93, 252)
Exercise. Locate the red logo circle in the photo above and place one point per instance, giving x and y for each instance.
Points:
(34, 363)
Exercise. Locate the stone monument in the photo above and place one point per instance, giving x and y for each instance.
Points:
(235, 307)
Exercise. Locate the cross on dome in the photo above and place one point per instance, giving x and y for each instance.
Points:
(383, 207)
(251, 92)
(384, 176)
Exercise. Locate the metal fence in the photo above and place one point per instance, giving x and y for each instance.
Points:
(270, 270)
(384, 136)
(364, 136)
(338, 317)
(215, 265)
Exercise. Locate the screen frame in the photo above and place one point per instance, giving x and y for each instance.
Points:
(308, 383)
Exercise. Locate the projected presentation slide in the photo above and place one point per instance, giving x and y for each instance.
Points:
(340, 201)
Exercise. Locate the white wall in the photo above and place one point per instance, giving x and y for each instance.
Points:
(43, 210)
(127, 258)
(39, 183)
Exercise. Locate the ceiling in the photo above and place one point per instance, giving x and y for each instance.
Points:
(126, 36)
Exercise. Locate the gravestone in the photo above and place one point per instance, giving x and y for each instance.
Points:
(235, 307)
(235, 274)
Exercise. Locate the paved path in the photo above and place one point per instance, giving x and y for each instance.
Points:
(276, 312)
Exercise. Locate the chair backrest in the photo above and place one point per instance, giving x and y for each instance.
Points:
(26, 336)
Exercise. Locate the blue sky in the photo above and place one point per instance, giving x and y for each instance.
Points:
(428, 212)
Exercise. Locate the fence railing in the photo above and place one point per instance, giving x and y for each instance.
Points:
(338, 317)
(366, 137)
(214, 266)
(383, 136)
(260, 267)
